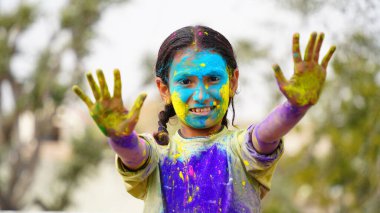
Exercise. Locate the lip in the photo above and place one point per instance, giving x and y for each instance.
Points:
(201, 110)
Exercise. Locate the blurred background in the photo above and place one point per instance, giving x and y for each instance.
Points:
(53, 157)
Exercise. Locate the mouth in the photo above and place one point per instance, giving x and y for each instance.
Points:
(201, 110)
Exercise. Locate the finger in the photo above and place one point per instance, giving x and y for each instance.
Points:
(327, 58)
(129, 124)
(94, 87)
(117, 86)
(136, 108)
(317, 48)
(103, 84)
(82, 96)
(296, 48)
(280, 78)
(310, 47)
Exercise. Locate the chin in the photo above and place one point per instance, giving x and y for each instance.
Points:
(203, 124)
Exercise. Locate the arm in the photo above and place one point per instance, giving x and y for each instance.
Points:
(302, 91)
(115, 121)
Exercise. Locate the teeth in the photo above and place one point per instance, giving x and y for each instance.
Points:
(201, 110)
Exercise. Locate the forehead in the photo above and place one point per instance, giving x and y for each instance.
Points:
(192, 60)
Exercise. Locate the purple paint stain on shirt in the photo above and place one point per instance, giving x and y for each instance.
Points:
(198, 184)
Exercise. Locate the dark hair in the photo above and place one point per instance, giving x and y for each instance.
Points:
(204, 38)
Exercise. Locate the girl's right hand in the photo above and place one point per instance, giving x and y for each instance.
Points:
(109, 113)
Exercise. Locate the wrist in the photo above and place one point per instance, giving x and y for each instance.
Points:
(295, 109)
(129, 141)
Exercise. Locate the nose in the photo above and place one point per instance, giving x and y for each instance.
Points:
(201, 94)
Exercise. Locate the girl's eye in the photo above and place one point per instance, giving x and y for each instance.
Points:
(214, 79)
(185, 81)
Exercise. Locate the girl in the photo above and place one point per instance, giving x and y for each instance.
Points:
(203, 167)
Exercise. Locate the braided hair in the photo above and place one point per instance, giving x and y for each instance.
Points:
(204, 38)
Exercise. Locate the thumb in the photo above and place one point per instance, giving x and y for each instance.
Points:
(130, 122)
(281, 80)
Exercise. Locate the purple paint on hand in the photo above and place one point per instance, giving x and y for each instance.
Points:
(128, 141)
(292, 111)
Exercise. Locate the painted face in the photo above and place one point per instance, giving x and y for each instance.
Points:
(199, 87)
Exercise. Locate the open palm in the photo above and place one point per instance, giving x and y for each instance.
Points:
(305, 86)
(108, 112)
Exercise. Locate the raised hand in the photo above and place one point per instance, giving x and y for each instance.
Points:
(109, 113)
(305, 86)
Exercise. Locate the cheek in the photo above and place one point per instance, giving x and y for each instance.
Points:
(222, 107)
(180, 107)
(182, 94)
(220, 92)
(225, 92)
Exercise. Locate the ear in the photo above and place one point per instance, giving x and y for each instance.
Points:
(234, 81)
(163, 89)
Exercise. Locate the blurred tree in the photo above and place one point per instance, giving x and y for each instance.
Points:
(338, 170)
(41, 94)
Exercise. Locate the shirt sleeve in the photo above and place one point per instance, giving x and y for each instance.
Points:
(136, 181)
(259, 166)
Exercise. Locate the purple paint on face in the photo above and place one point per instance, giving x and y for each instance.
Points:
(198, 184)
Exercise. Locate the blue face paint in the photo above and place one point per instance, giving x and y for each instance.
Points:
(199, 87)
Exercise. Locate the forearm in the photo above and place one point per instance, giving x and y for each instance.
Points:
(131, 149)
(279, 122)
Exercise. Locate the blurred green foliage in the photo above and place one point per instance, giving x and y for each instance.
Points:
(42, 93)
(338, 169)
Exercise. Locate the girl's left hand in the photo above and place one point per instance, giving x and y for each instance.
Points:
(304, 87)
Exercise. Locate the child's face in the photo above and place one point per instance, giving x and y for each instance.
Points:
(199, 87)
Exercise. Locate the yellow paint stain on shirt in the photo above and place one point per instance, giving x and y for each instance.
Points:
(202, 64)
(243, 183)
(176, 156)
(181, 176)
(190, 199)
(246, 162)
